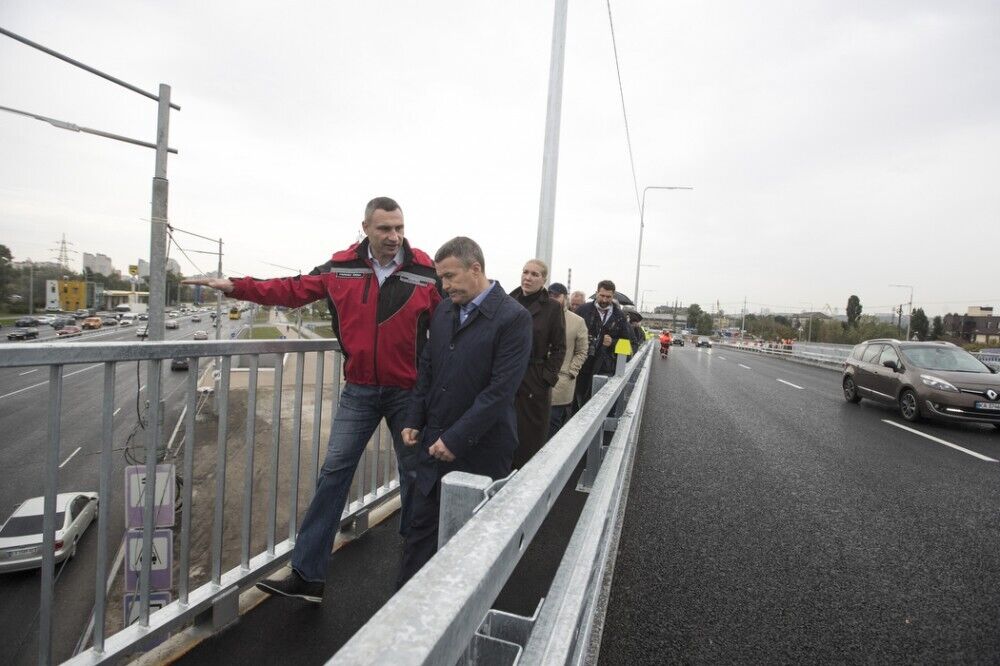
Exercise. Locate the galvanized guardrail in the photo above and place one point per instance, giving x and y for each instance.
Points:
(443, 614)
(825, 356)
(214, 602)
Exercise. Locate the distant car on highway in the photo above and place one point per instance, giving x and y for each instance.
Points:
(200, 335)
(934, 380)
(179, 364)
(92, 323)
(703, 342)
(141, 331)
(23, 333)
(67, 331)
(21, 534)
(677, 341)
(196, 318)
(143, 317)
(26, 322)
(109, 321)
(172, 323)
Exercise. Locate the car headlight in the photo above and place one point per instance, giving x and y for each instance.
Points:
(938, 383)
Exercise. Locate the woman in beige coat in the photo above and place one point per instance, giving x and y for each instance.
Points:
(576, 354)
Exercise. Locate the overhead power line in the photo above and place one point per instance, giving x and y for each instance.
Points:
(621, 92)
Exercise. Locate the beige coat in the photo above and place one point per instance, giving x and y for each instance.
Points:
(576, 354)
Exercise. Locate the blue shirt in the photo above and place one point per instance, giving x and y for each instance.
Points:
(467, 309)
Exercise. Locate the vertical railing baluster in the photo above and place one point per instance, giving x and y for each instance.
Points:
(251, 435)
(373, 481)
(183, 585)
(104, 502)
(317, 418)
(51, 483)
(272, 519)
(154, 384)
(293, 511)
(220, 471)
(390, 456)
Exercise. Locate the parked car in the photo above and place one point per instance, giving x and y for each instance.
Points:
(23, 334)
(92, 323)
(141, 331)
(924, 379)
(703, 342)
(68, 331)
(172, 323)
(179, 364)
(21, 534)
(200, 335)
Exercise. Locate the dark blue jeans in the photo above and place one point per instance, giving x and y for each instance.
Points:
(360, 410)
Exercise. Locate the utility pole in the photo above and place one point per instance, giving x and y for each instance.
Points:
(743, 320)
(158, 225)
(31, 287)
(569, 280)
(550, 153)
(218, 298)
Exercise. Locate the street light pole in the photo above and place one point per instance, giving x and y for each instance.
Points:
(642, 226)
(909, 321)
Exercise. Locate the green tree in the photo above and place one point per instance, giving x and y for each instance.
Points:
(937, 328)
(705, 324)
(6, 271)
(919, 324)
(694, 313)
(853, 311)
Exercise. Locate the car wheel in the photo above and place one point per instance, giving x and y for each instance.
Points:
(909, 407)
(851, 391)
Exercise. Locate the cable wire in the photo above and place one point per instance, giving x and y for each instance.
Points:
(621, 92)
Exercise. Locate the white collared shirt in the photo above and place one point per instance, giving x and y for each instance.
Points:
(382, 272)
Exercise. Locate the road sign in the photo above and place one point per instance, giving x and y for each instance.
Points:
(157, 600)
(161, 558)
(133, 270)
(135, 496)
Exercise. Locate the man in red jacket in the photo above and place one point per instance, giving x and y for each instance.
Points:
(381, 294)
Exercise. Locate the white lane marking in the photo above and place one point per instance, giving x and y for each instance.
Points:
(116, 411)
(70, 457)
(791, 384)
(45, 383)
(744, 366)
(722, 358)
(142, 387)
(22, 374)
(940, 441)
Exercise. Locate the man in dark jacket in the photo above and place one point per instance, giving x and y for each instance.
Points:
(606, 325)
(381, 293)
(461, 414)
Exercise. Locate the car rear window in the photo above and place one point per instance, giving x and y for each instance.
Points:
(19, 526)
(872, 353)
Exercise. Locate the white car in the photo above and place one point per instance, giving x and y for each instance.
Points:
(200, 335)
(141, 331)
(172, 323)
(21, 534)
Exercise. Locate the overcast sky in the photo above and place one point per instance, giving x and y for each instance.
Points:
(835, 147)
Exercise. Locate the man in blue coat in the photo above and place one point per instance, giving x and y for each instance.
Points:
(461, 411)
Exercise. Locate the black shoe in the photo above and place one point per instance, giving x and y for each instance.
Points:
(293, 586)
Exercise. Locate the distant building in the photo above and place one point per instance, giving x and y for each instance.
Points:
(978, 324)
(143, 268)
(172, 267)
(98, 263)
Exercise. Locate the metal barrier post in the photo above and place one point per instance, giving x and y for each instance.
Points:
(461, 493)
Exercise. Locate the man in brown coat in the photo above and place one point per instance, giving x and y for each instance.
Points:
(576, 354)
(548, 346)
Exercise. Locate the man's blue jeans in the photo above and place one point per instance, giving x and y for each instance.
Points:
(358, 415)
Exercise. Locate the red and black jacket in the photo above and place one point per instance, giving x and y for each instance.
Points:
(382, 330)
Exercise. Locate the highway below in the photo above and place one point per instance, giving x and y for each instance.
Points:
(769, 521)
(24, 401)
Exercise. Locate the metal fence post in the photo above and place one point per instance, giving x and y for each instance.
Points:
(461, 493)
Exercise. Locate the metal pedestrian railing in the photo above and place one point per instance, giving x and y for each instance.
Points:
(827, 356)
(443, 614)
(215, 601)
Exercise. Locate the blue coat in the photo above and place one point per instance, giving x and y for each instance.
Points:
(466, 382)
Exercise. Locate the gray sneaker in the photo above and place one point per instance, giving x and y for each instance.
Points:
(294, 586)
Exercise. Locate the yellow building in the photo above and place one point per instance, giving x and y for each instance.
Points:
(72, 295)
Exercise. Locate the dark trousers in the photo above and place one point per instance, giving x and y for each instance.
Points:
(422, 537)
(558, 415)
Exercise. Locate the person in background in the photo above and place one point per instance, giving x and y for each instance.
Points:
(576, 354)
(461, 416)
(606, 324)
(548, 332)
(576, 300)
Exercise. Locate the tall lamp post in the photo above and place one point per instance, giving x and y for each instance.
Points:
(642, 226)
(909, 320)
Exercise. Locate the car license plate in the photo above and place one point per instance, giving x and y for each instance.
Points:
(992, 406)
(21, 552)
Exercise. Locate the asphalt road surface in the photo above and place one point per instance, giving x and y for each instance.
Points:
(24, 401)
(771, 522)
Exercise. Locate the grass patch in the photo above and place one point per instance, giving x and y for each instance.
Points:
(263, 333)
(325, 331)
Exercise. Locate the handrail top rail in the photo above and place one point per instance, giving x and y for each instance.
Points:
(13, 355)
